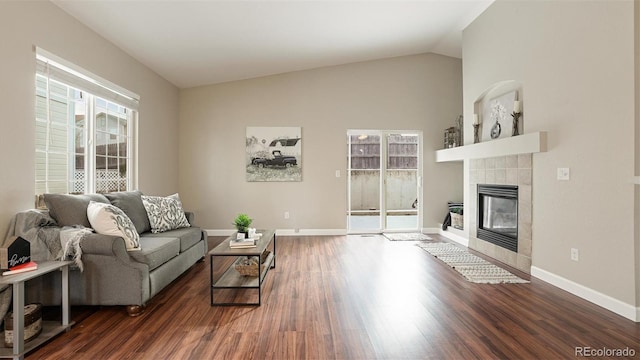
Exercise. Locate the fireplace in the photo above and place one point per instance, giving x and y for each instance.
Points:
(498, 215)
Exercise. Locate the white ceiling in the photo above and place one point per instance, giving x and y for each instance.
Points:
(193, 43)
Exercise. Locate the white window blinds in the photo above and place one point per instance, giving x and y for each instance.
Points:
(58, 69)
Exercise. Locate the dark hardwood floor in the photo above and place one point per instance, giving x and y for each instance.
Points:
(350, 297)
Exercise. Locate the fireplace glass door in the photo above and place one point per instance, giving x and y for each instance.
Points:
(498, 215)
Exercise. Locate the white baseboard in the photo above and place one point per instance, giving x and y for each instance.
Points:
(311, 232)
(598, 298)
(285, 232)
(454, 234)
(434, 230)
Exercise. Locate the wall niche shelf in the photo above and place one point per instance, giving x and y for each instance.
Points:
(521, 144)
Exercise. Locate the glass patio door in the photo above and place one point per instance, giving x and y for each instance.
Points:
(383, 181)
(402, 182)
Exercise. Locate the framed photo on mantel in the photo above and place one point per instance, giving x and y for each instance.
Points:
(497, 122)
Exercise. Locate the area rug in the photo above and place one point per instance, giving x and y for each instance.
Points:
(407, 236)
(474, 268)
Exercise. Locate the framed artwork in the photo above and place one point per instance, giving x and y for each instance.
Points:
(274, 154)
(497, 122)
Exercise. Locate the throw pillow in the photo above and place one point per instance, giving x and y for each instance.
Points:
(165, 213)
(107, 219)
(131, 203)
(70, 210)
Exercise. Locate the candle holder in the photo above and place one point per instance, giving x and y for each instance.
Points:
(516, 116)
(476, 138)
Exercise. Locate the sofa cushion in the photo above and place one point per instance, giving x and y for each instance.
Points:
(131, 203)
(165, 213)
(108, 219)
(156, 251)
(69, 210)
(188, 236)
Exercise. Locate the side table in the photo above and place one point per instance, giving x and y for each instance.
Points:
(49, 328)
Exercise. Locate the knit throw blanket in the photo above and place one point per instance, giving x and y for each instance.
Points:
(70, 238)
(48, 241)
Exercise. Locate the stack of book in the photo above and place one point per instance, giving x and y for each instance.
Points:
(28, 266)
(242, 243)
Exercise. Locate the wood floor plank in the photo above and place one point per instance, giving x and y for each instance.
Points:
(349, 297)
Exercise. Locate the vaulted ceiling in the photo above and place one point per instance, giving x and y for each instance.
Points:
(192, 43)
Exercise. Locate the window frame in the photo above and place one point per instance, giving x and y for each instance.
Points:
(54, 70)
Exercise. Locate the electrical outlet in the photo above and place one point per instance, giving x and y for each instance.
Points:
(575, 254)
(286, 215)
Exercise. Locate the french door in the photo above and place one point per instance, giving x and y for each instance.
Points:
(384, 184)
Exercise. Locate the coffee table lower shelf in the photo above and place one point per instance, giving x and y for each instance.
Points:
(232, 279)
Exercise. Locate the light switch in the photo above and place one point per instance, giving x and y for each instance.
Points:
(337, 173)
(564, 174)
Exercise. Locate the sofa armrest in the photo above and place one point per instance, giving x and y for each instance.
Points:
(99, 244)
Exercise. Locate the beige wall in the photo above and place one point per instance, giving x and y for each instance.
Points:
(575, 61)
(637, 150)
(422, 92)
(28, 23)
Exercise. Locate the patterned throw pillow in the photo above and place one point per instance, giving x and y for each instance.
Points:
(110, 220)
(165, 213)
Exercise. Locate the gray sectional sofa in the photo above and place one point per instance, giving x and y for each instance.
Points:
(111, 274)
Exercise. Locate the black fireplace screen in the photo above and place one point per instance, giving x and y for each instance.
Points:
(498, 215)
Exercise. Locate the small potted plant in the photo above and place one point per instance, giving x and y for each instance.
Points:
(242, 223)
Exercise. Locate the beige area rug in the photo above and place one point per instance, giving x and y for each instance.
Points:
(407, 236)
(474, 268)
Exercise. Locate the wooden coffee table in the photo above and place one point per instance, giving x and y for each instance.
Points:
(232, 279)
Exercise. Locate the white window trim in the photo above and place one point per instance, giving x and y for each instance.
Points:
(56, 68)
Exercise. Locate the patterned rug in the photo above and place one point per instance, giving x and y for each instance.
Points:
(474, 268)
(407, 236)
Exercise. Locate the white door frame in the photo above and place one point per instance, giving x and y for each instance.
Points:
(383, 134)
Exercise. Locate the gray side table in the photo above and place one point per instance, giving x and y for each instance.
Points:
(49, 328)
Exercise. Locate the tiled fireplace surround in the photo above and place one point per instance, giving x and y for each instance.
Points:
(503, 170)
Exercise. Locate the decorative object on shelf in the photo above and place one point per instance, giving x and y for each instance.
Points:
(242, 223)
(495, 113)
(249, 266)
(498, 112)
(453, 135)
(450, 135)
(460, 126)
(516, 115)
(32, 324)
(476, 128)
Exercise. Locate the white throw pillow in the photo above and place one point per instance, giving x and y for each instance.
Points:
(107, 219)
(165, 213)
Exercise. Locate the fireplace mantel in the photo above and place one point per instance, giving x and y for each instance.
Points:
(521, 144)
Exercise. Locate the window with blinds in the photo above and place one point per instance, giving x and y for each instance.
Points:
(84, 130)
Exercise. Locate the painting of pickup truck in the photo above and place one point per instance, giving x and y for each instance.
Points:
(276, 160)
(274, 154)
